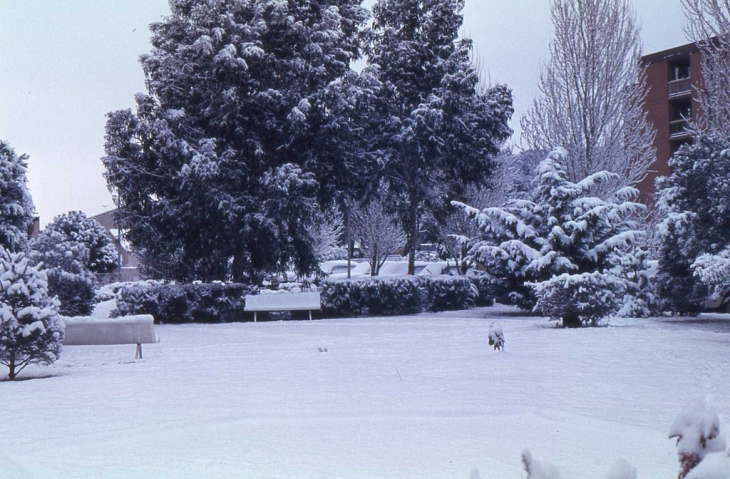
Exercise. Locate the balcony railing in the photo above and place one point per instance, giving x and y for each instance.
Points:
(680, 87)
(678, 129)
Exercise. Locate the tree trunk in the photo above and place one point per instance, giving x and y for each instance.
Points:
(375, 264)
(11, 369)
(349, 242)
(412, 231)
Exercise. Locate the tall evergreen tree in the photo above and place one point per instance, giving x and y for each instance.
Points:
(214, 172)
(438, 131)
(16, 204)
(695, 199)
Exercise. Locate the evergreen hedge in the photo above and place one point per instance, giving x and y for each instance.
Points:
(396, 295)
(185, 303)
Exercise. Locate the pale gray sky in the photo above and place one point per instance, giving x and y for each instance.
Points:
(64, 65)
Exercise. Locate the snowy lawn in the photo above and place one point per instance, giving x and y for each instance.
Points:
(416, 396)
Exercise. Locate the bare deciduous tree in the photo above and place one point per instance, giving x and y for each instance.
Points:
(592, 92)
(326, 232)
(378, 233)
(709, 26)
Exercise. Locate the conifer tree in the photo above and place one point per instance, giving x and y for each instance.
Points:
(16, 204)
(438, 132)
(31, 331)
(695, 199)
(554, 251)
(214, 173)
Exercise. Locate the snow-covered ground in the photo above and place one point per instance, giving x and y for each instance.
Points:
(417, 396)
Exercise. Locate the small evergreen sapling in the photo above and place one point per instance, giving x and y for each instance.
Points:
(496, 336)
(31, 331)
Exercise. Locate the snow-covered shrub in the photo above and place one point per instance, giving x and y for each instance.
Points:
(695, 201)
(31, 331)
(496, 336)
(561, 230)
(111, 290)
(185, 303)
(389, 296)
(381, 297)
(697, 429)
(340, 298)
(447, 293)
(579, 299)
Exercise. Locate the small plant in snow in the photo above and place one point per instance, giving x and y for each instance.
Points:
(496, 336)
(697, 429)
(31, 331)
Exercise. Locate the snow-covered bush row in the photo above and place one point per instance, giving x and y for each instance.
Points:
(111, 290)
(30, 329)
(185, 303)
(701, 449)
(447, 293)
(396, 295)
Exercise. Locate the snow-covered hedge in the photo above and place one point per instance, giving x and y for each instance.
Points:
(396, 295)
(185, 303)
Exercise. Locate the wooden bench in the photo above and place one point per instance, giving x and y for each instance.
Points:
(84, 331)
(283, 302)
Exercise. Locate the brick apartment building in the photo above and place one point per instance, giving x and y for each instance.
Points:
(672, 77)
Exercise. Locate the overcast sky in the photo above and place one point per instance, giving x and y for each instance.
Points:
(65, 64)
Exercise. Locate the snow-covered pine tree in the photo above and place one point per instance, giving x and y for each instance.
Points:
(511, 179)
(212, 171)
(77, 228)
(437, 132)
(545, 253)
(695, 199)
(31, 331)
(16, 204)
(65, 248)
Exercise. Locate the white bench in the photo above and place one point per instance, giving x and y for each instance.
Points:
(84, 331)
(283, 302)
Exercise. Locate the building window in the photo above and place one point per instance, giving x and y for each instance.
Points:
(679, 70)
